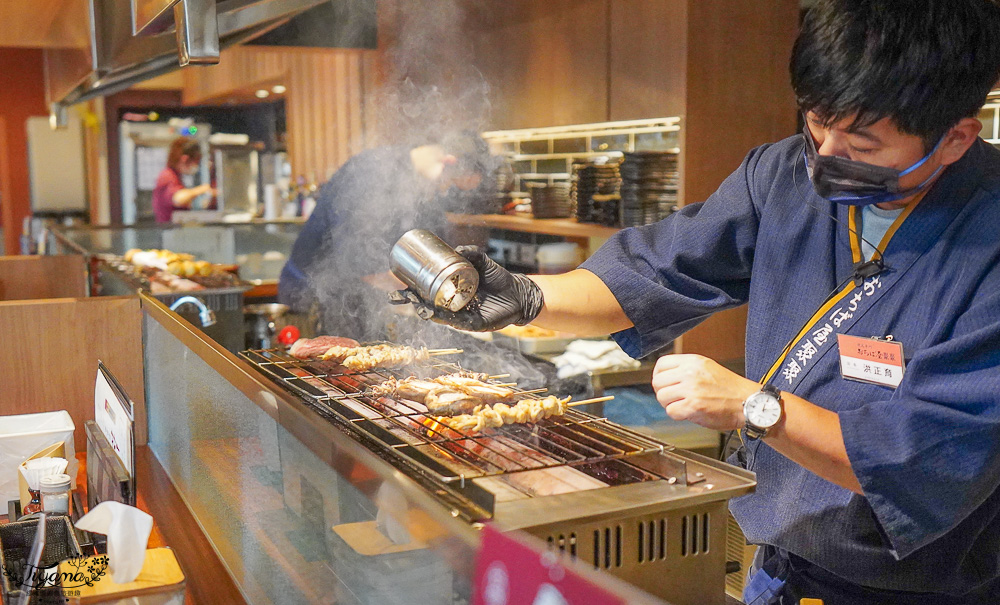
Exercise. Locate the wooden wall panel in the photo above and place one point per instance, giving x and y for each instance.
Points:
(738, 96)
(323, 108)
(648, 47)
(49, 358)
(35, 24)
(546, 62)
(738, 90)
(34, 277)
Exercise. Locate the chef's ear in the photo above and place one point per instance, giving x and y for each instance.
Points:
(958, 140)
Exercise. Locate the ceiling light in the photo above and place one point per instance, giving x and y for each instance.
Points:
(278, 89)
(261, 93)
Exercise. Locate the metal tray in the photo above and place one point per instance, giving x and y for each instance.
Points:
(532, 346)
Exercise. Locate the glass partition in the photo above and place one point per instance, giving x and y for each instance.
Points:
(260, 249)
(289, 528)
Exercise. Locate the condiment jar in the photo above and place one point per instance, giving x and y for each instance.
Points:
(55, 493)
(433, 269)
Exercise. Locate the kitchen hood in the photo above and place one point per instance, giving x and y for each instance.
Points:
(118, 45)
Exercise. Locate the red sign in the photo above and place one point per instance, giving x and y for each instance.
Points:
(508, 572)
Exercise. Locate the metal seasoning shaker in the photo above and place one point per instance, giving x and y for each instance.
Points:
(434, 270)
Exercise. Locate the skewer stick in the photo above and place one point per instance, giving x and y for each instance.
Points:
(495, 376)
(594, 400)
(532, 391)
(433, 352)
(502, 384)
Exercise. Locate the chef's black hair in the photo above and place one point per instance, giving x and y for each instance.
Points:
(925, 64)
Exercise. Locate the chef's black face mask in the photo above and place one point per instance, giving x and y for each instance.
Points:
(857, 183)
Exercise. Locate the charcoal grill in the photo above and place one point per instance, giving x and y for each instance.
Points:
(594, 490)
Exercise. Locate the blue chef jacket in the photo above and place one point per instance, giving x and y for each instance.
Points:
(927, 454)
(360, 212)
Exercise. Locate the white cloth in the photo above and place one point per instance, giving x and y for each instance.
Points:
(584, 356)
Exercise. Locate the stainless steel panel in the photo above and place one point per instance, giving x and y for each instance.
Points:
(74, 61)
(197, 32)
(677, 555)
(118, 59)
(152, 16)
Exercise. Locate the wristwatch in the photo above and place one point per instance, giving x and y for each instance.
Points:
(762, 410)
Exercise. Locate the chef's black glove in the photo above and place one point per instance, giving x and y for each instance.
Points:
(503, 298)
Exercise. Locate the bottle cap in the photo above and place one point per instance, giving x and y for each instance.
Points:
(55, 483)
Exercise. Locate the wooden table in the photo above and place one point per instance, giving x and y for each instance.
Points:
(208, 582)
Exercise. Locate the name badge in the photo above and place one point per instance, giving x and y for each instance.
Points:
(875, 360)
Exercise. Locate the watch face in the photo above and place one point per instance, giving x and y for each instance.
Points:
(762, 410)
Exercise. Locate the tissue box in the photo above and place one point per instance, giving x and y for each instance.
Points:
(161, 582)
(23, 435)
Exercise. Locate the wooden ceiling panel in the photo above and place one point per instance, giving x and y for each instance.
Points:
(43, 23)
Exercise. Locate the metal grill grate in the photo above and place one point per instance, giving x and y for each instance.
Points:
(398, 425)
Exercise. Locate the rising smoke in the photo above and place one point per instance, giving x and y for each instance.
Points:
(431, 91)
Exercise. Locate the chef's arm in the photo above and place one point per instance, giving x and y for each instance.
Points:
(580, 303)
(811, 436)
(182, 198)
(700, 390)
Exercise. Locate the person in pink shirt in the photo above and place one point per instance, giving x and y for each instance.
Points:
(170, 193)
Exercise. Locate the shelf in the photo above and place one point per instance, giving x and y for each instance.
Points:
(565, 227)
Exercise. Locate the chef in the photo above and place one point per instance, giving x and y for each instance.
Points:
(170, 194)
(867, 248)
(362, 210)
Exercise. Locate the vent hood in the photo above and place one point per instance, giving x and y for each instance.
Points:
(118, 46)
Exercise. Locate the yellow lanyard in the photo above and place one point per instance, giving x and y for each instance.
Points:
(855, 233)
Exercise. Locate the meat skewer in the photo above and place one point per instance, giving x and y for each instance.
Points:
(448, 395)
(525, 410)
(361, 358)
(304, 348)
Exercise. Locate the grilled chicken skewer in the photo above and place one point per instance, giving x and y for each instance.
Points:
(448, 395)
(381, 356)
(525, 410)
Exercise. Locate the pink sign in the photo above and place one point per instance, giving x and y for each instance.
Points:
(508, 572)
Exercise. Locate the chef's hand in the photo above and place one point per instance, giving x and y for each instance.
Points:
(695, 388)
(503, 298)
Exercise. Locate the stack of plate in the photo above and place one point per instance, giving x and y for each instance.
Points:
(649, 186)
(550, 200)
(592, 179)
(607, 209)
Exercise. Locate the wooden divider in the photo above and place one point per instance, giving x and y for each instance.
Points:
(49, 353)
(36, 277)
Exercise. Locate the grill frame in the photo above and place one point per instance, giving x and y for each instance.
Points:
(686, 486)
(327, 386)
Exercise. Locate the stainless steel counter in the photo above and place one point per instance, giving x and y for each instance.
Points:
(260, 248)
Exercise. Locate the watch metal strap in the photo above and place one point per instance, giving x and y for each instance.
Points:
(753, 431)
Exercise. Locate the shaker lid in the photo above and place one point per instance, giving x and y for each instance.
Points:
(55, 482)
